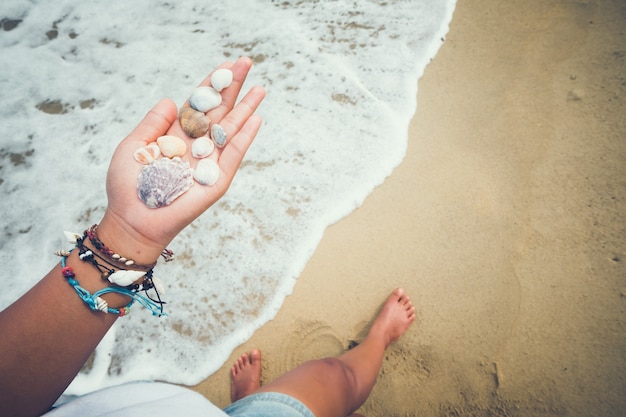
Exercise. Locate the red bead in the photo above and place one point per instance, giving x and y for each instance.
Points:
(68, 272)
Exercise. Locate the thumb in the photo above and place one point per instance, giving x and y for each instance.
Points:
(156, 123)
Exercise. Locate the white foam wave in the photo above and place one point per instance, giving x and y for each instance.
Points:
(76, 78)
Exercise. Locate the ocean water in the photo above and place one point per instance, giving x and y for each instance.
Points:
(76, 77)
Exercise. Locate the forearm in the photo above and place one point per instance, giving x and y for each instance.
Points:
(47, 336)
(49, 333)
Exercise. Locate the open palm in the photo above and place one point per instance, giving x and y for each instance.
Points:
(143, 232)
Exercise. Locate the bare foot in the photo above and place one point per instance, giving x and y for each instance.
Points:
(394, 319)
(246, 375)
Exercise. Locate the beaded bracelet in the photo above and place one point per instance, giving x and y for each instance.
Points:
(115, 277)
(97, 303)
(92, 234)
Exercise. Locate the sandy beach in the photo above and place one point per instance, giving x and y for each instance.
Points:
(505, 223)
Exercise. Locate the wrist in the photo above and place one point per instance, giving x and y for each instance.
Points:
(119, 278)
(124, 240)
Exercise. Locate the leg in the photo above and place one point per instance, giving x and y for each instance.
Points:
(338, 387)
(246, 375)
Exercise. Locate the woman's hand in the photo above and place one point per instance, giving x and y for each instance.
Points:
(132, 229)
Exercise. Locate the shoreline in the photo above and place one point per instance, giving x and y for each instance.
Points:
(504, 223)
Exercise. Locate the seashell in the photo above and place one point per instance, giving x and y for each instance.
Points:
(148, 153)
(205, 98)
(163, 181)
(193, 122)
(72, 237)
(207, 172)
(172, 146)
(221, 78)
(62, 252)
(124, 278)
(218, 134)
(101, 304)
(202, 147)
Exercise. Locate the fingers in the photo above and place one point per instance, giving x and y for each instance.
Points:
(240, 71)
(229, 95)
(156, 122)
(239, 121)
(237, 117)
(233, 153)
(241, 125)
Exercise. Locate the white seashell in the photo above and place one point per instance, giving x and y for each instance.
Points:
(124, 278)
(202, 147)
(72, 237)
(172, 146)
(62, 252)
(221, 78)
(163, 181)
(207, 172)
(218, 134)
(205, 98)
(102, 305)
(147, 154)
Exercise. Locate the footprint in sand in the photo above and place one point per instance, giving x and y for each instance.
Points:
(309, 340)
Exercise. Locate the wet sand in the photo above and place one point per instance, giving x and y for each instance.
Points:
(506, 223)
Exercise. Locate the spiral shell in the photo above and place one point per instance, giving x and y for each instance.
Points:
(193, 122)
(101, 304)
(62, 252)
(205, 98)
(163, 181)
(221, 78)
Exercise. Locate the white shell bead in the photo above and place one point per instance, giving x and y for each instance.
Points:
(205, 98)
(72, 237)
(202, 147)
(102, 305)
(124, 278)
(207, 172)
(221, 78)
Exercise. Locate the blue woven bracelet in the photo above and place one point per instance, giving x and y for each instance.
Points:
(97, 303)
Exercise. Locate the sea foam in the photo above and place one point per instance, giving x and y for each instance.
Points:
(76, 77)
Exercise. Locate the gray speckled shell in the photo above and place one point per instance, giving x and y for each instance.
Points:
(163, 181)
(218, 134)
